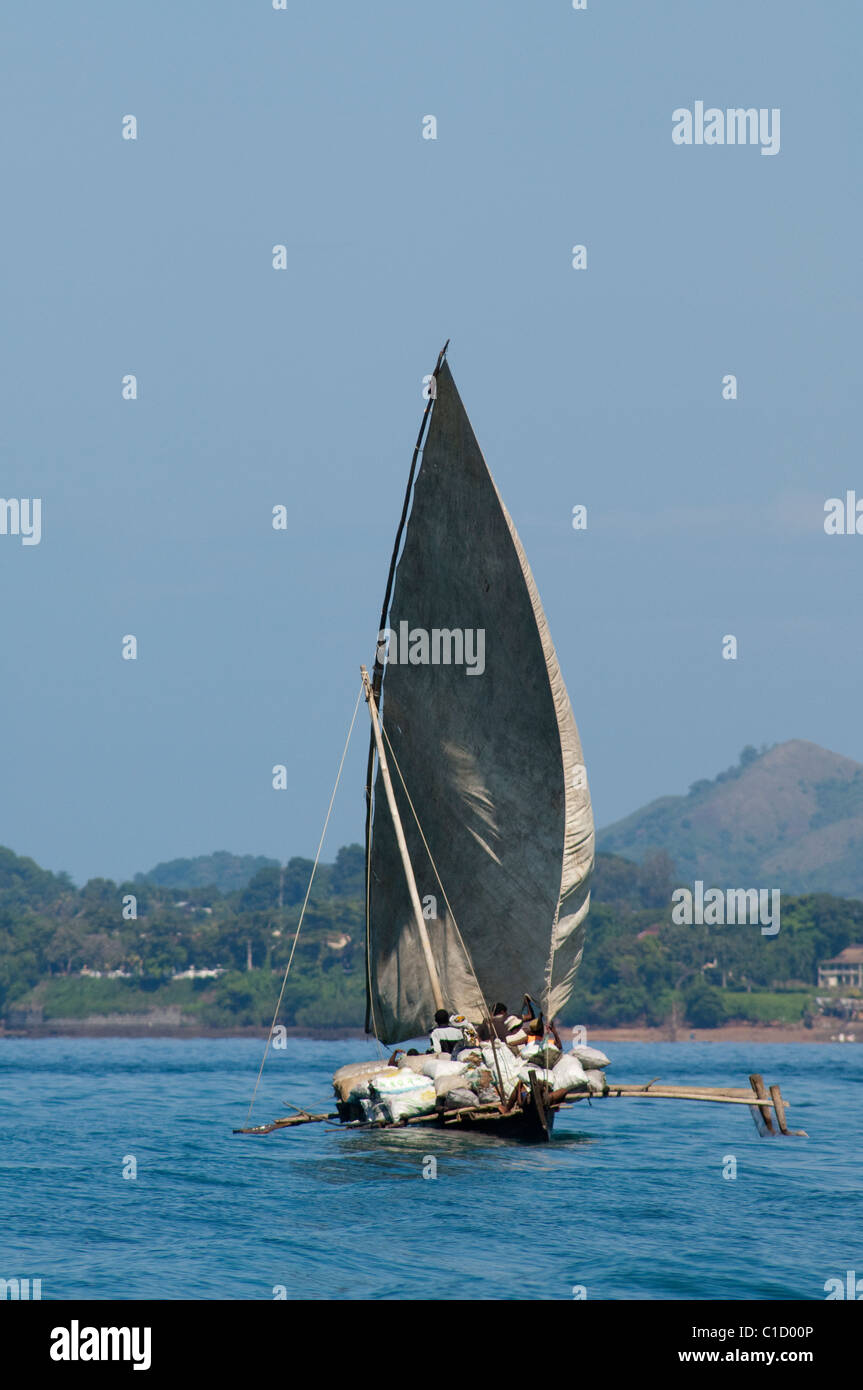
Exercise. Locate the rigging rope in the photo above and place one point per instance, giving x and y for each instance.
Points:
(305, 903)
(370, 1002)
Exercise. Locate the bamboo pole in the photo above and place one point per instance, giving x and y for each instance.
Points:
(302, 1119)
(652, 1089)
(664, 1095)
(402, 844)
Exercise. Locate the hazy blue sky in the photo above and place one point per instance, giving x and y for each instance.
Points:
(302, 387)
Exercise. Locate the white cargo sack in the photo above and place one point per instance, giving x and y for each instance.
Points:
(500, 1059)
(589, 1057)
(470, 1079)
(542, 1055)
(403, 1093)
(596, 1081)
(470, 1056)
(541, 1074)
(436, 1066)
(373, 1112)
(458, 1098)
(412, 1063)
(352, 1082)
(569, 1074)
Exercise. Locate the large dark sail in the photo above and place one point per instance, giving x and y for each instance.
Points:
(480, 725)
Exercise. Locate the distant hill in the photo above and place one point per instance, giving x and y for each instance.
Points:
(227, 872)
(789, 817)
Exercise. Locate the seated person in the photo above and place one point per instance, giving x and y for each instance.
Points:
(445, 1036)
(500, 1020)
(470, 1037)
(500, 1023)
(398, 1057)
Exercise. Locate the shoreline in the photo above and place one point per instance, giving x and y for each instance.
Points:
(729, 1032)
(734, 1032)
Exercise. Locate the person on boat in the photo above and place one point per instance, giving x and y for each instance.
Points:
(533, 1029)
(445, 1036)
(399, 1056)
(469, 1037)
(500, 1023)
(500, 1020)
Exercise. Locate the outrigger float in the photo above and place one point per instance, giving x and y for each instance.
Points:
(479, 854)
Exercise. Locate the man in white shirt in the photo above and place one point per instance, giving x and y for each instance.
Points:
(445, 1037)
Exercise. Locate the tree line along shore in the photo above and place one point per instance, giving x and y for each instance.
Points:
(165, 957)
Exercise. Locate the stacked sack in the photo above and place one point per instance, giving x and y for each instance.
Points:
(466, 1081)
(401, 1092)
(351, 1083)
(354, 1100)
(380, 1093)
(581, 1069)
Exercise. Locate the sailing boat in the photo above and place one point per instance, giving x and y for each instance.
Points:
(479, 829)
(479, 851)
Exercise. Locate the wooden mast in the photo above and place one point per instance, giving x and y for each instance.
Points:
(402, 844)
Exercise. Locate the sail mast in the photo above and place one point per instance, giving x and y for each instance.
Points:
(434, 978)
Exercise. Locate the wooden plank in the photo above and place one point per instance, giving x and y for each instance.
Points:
(757, 1084)
(779, 1107)
(537, 1093)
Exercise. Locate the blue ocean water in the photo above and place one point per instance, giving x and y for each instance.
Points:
(627, 1201)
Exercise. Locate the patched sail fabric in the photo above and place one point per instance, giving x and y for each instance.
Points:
(478, 718)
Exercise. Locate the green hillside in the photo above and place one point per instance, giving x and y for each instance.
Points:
(221, 870)
(789, 817)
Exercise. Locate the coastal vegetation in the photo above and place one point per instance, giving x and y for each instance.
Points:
(214, 957)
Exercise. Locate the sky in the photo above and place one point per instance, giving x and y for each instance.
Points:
(302, 387)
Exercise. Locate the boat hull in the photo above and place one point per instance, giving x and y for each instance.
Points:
(524, 1127)
(531, 1123)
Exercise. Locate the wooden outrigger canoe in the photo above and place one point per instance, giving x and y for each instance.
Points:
(533, 1120)
(491, 803)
